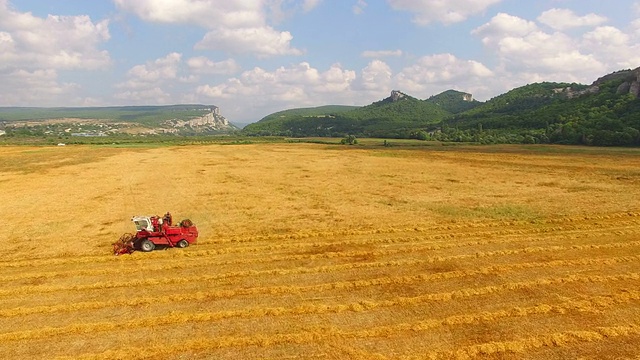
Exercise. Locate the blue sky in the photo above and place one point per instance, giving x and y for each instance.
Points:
(252, 58)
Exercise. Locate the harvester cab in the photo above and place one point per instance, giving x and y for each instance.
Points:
(142, 223)
(152, 231)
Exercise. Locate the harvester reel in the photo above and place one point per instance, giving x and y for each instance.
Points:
(124, 245)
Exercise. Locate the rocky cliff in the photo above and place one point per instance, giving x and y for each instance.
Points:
(210, 122)
(396, 95)
(629, 84)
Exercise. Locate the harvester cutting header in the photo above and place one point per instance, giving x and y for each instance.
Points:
(154, 230)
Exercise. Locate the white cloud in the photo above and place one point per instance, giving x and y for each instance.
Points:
(153, 72)
(263, 41)
(34, 49)
(203, 65)
(265, 91)
(613, 46)
(204, 13)
(376, 77)
(302, 73)
(435, 73)
(153, 95)
(336, 80)
(635, 28)
(25, 88)
(309, 5)
(156, 81)
(381, 53)
(280, 10)
(54, 42)
(607, 36)
(562, 19)
(521, 47)
(271, 85)
(504, 25)
(359, 7)
(525, 53)
(447, 12)
(234, 26)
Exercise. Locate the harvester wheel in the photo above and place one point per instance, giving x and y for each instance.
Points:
(182, 243)
(147, 245)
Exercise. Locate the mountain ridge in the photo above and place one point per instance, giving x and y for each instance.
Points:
(181, 119)
(605, 113)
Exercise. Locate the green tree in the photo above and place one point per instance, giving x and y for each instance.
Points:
(349, 140)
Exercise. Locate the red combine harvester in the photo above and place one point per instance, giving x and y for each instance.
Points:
(152, 231)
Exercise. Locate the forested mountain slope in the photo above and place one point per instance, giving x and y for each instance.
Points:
(607, 113)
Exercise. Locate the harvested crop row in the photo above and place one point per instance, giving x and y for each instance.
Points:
(494, 269)
(626, 227)
(593, 304)
(417, 254)
(209, 262)
(417, 249)
(340, 286)
(497, 237)
(559, 339)
(424, 238)
(389, 331)
(446, 229)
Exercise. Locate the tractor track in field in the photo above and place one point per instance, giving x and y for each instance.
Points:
(565, 338)
(572, 232)
(591, 304)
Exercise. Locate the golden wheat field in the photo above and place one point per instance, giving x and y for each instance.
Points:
(311, 251)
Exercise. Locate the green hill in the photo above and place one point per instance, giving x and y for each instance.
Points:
(454, 101)
(297, 122)
(307, 112)
(605, 113)
(400, 108)
(148, 115)
(514, 109)
(188, 119)
(396, 116)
